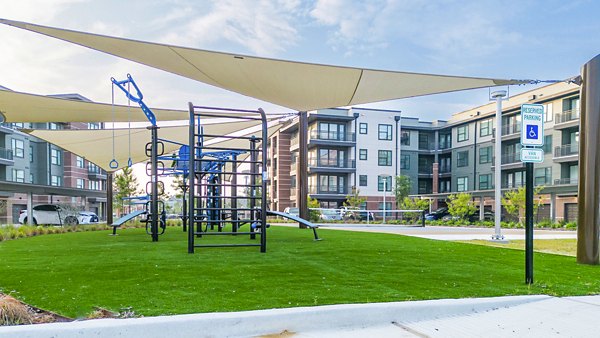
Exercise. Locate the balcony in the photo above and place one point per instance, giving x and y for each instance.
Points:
(445, 169)
(323, 165)
(339, 190)
(512, 185)
(566, 152)
(566, 119)
(331, 138)
(566, 181)
(509, 161)
(95, 173)
(426, 147)
(425, 171)
(6, 156)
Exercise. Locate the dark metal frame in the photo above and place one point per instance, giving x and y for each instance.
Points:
(204, 192)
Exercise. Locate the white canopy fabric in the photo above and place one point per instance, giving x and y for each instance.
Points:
(25, 107)
(296, 85)
(97, 145)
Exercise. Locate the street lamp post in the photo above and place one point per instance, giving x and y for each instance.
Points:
(384, 177)
(498, 96)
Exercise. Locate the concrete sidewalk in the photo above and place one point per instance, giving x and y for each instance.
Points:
(516, 316)
(450, 233)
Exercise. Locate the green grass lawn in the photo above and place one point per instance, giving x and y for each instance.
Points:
(73, 272)
(567, 247)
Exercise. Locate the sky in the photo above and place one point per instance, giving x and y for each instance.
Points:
(509, 39)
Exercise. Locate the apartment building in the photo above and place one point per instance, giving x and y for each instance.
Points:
(29, 165)
(365, 148)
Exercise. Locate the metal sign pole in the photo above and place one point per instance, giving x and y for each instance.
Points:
(529, 223)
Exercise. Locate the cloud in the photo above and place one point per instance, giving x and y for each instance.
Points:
(264, 27)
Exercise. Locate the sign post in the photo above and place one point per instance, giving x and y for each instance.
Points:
(532, 135)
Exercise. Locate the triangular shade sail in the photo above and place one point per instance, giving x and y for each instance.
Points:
(97, 145)
(24, 107)
(296, 85)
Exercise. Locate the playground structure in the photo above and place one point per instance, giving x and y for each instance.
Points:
(213, 199)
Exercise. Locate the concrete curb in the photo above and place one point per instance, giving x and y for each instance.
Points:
(264, 322)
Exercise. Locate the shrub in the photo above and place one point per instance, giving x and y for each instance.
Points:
(571, 225)
(13, 312)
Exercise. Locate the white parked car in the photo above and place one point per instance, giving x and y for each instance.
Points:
(87, 217)
(49, 214)
(330, 215)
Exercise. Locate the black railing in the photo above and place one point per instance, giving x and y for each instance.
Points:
(317, 162)
(566, 116)
(425, 170)
(566, 180)
(508, 158)
(510, 129)
(566, 150)
(445, 169)
(6, 154)
(332, 136)
(339, 190)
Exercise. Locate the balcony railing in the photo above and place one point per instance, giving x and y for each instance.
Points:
(339, 190)
(425, 170)
(566, 116)
(508, 158)
(510, 129)
(566, 150)
(445, 169)
(332, 136)
(6, 154)
(513, 185)
(427, 146)
(317, 162)
(445, 145)
(564, 181)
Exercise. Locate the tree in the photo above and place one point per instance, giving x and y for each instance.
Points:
(313, 214)
(461, 205)
(402, 188)
(354, 200)
(414, 204)
(176, 185)
(125, 185)
(514, 201)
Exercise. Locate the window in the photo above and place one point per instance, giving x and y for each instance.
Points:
(424, 187)
(55, 156)
(543, 176)
(18, 148)
(79, 162)
(462, 133)
(424, 142)
(384, 158)
(385, 132)
(95, 185)
(363, 128)
(54, 126)
(384, 182)
(462, 184)
(55, 180)
(404, 161)
(445, 141)
(31, 154)
(362, 154)
(548, 112)
(80, 184)
(332, 184)
(332, 131)
(462, 158)
(93, 125)
(485, 182)
(362, 180)
(485, 155)
(405, 137)
(547, 144)
(331, 158)
(31, 178)
(485, 128)
(388, 206)
(18, 175)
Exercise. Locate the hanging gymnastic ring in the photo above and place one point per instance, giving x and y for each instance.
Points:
(113, 164)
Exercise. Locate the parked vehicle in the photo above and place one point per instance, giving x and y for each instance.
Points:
(487, 216)
(88, 217)
(437, 214)
(292, 211)
(330, 215)
(49, 214)
(366, 215)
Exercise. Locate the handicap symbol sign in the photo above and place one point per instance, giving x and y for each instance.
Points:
(532, 132)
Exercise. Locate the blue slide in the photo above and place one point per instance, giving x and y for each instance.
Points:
(296, 219)
(126, 218)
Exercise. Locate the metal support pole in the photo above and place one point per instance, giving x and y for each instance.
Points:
(588, 219)
(384, 192)
(109, 198)
(253, 172)
(498, 95)
(154, 182)
(263, 203)
(302, 172)
(184, 211)
(191, 180)
(29, 208)
(529, 223)
(233, 200)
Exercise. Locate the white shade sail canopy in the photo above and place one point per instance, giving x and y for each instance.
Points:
(296, 85)
(96, 145)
